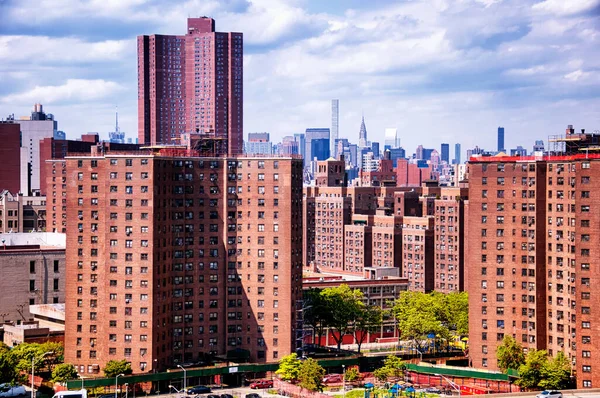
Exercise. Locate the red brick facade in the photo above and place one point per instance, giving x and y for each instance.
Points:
(172, 258)
(530, 256)
(192, 83)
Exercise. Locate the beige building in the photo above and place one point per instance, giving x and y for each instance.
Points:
(20, 213)
(32, 266)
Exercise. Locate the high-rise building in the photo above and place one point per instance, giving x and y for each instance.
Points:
(391, 138)
(10, 153)
(362, 134)
(456, 154)
(501, 147)
(375, 149)
(538, 146)
(446, 153)
(335, 126)
(33, 129)
(301, 140)
(314, 134)
(219, 273)
(259, 144)
(532, 256)
(192, 84)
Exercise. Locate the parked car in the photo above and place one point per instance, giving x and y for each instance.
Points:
(261, 384)
(213, 396)
(198, 390)
(226, 396)
(550, 394)
(433, 390)
(9, 391)
(333, 378)
(253, 395)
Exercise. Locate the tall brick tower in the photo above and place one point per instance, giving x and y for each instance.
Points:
(192, 84)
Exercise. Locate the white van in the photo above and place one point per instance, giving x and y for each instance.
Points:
(71, 394)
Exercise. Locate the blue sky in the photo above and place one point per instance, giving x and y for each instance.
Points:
(438, 70)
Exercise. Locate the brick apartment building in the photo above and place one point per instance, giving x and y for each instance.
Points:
(10, 153)
(174, 257)
(192, 83)
(19, 213)
(53, 172)
(531, 253)
(379, 231)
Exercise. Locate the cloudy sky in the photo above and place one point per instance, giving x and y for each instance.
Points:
(438, 70)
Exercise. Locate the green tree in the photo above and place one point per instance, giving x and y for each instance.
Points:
(315, 313)
(289, 367)
(510, 354)
(114, 368)
(352, 374)
(343, 305)
(532, 370)
(418, 314)
(392, 367)
(368, 320)
(63, 372)
(311, 375)
(8, 364)
(556, 373)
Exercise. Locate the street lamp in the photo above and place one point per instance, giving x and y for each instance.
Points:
(81, 377)
(33, 359)
(344, 380)
(117, 383)
(184, 377)
(450, 382)
(126, 389)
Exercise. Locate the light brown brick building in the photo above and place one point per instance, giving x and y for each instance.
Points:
(32, 266)
(531, 258)
(175, 257)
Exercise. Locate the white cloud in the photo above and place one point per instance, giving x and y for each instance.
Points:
(565, 7)
(73, 90)
(64, 50)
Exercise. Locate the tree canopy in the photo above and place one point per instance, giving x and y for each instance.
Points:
(420, 314)
(510, 354)
(64, 372)
(114, 368)
(343, 306)
(15, 362)
(289, 367)
(392, 367)
(311, 375)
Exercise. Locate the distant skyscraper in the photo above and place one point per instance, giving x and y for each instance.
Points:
(362, 135)
(501, 139)
(314, 134)
(33, 129)
(192, 84)
(375, 149)
(456, 154)
(258, 144)
(539, 146)
(391, 138)
(301, 140)
(117, 136)
(446, 153)
(335, 125)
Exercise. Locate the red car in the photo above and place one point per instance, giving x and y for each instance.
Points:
(261, 384)
(333, 378)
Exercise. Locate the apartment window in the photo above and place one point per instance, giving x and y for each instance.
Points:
(586, 383)
(32, 267)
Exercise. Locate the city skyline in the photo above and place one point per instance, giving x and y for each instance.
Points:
(300, 55)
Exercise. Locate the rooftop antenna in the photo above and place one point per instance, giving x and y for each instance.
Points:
(117, 118)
